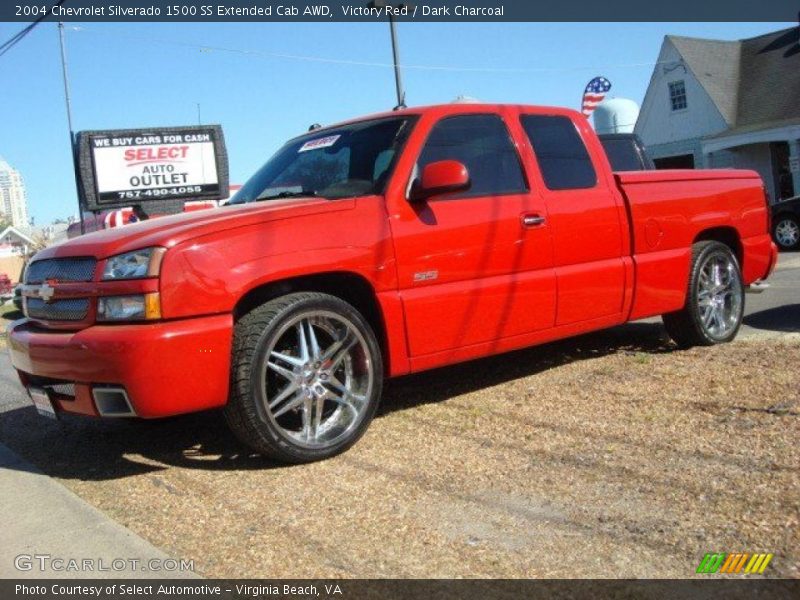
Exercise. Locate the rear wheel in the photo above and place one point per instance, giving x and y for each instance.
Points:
(786, 232)
(306, 379)
(714, 300)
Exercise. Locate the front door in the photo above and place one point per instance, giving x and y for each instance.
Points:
(471, 268)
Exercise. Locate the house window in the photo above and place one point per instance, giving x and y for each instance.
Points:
(677, 95)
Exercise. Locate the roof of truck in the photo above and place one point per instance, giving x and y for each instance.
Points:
(450, 108)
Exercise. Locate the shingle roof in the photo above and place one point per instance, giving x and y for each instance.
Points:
(715, 64)
(753, 82)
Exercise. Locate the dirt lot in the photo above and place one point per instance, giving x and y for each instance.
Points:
(613, 455)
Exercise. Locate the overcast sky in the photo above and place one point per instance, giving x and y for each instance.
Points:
(145, 75)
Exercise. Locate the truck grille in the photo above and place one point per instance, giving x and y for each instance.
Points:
(60, 269)
(68, 309)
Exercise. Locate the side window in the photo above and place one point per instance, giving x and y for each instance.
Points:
(560, 152)
(483, 144)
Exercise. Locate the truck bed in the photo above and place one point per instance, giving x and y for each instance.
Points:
(668, 210)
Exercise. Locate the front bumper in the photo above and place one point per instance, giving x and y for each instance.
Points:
(166, 368)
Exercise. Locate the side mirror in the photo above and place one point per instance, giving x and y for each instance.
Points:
(441, 177)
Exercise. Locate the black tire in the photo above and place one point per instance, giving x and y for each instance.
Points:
(256, 336)
(783, 226)
(688, 327)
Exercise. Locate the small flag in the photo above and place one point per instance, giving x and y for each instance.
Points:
(594, 93)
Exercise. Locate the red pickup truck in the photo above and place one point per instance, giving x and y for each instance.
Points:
(378, 247)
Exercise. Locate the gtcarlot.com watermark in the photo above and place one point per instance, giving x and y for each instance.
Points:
(63, 564)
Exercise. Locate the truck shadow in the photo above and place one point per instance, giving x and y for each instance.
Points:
(780, 318)
(94, 450)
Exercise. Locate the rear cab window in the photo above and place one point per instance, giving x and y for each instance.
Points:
(622, 155)
(562, 156)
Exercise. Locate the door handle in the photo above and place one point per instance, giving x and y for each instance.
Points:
(532, 220)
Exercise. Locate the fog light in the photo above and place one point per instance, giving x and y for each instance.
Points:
(139, 307)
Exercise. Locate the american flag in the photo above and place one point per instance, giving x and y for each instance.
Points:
(594, 93)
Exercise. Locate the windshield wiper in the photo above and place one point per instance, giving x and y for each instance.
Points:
(288, 194)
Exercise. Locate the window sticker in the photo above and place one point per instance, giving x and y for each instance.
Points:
(323, 142)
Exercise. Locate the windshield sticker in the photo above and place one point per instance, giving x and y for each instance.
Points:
(323, 142)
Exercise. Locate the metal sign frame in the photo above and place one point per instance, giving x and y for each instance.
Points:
(168, 197)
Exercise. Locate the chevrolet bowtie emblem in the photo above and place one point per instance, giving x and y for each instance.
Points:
(46, 292)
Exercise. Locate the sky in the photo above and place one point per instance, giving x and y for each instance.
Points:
(267, 82)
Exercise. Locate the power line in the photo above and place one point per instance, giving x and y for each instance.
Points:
(361, 63)
(17, 38)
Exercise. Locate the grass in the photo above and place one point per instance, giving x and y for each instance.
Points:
(10, 313)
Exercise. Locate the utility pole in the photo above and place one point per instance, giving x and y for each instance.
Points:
(398, 76)
(72, 141)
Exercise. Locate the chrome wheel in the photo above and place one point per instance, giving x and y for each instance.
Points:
(318, 378)
(719, 295)
(787, 233)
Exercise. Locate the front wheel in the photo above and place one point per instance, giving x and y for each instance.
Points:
(307, 376)
(714, 300)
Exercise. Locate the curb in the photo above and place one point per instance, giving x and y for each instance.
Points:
(45, 523)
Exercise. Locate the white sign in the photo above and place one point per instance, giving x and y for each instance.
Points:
(323, 142)
(794, 164)
(154, 166)
(131, 167)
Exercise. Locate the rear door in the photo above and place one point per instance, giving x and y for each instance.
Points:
(469, 269)
(586, 217)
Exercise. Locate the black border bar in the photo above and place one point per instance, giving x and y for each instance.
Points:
(416, 10)
(396, 589)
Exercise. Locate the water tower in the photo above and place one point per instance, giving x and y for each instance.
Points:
(616, 115)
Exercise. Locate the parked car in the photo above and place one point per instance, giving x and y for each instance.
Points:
(17, 298)
(786, 223)
(626, 152)
(378, 247)
(6, 288)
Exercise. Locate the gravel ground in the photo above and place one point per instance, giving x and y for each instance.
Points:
(611, 455)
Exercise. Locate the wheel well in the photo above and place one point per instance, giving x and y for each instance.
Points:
(350, 287)
(725, 235)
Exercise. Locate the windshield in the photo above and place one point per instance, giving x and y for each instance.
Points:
(352, 160)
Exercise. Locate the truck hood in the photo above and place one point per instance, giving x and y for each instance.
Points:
(175, 229)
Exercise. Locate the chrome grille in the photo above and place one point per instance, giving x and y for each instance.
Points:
(62, 389)
(68, 309)
(60, 269)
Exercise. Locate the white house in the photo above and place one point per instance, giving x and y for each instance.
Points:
(15, 246)
(719, 104)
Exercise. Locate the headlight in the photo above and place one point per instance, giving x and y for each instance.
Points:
(137, 307)
(134, 265)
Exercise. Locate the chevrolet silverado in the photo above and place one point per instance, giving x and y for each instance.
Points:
(378, 247)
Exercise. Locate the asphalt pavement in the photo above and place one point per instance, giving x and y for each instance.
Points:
(54, 533)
